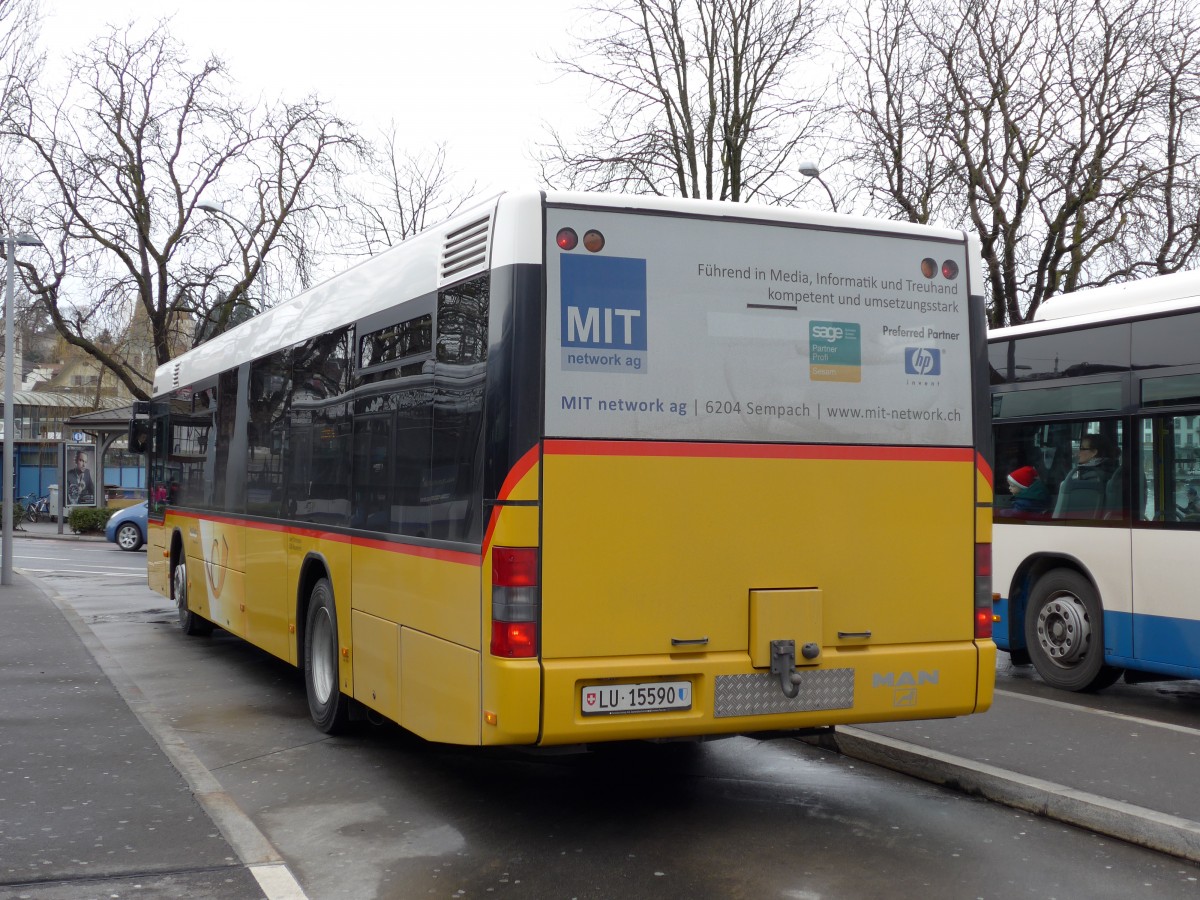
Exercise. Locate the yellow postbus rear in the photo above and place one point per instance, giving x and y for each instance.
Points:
(575, 468)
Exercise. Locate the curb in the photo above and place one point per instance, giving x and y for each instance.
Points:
(65, 536)
(1135, 824)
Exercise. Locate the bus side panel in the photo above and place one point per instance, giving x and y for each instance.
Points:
(217, 565)
(158, 558)
(427, 600)
(268, 614)
(377, 663)
(1107, 552)
(433, 591)
(1165, 629)
(439, 689)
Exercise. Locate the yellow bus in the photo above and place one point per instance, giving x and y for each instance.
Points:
(572, 468)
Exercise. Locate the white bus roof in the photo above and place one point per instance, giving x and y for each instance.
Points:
(491, 232)
(1113, 302)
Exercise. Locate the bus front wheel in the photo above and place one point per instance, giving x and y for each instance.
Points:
(190, 623)
(1064, 631)
(327, 705)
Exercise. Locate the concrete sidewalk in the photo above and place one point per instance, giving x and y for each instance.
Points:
(47, 529)
(1129, 778)
(90, 803)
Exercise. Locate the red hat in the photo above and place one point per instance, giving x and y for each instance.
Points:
(1022, 477)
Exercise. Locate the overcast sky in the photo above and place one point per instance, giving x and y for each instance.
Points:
(461, 72)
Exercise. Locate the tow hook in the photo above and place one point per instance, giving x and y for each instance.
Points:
(783, 664)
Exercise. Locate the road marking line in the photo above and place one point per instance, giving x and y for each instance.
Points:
(277, 882)
(64, 572)
(1074, 707)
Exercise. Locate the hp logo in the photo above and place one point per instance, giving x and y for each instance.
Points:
(922, 361)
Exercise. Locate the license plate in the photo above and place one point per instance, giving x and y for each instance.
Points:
(651, 696)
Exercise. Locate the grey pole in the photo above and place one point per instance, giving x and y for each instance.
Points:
(11, 241)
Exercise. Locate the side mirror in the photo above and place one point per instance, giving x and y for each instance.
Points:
(139, 436)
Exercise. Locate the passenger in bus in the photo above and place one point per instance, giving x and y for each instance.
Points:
(1082, 492)
(1030, 497)
(1191, 510)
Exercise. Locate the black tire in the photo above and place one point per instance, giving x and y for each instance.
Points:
(328, 706)
(129, 537)
(32, 515)
(190, 623)
(1064, 632)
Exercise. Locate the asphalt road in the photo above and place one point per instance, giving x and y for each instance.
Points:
(381, 814)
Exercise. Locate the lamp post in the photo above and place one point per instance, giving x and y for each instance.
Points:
(810, 169)
(11, 242)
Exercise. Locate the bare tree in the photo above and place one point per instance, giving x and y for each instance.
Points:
(400, 194)
(20, 60)
(697, 98)
(1041, 126)
(119, 164)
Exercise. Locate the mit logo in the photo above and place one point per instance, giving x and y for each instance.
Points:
(603, 302)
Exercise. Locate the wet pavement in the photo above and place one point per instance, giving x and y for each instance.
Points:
(93, 804)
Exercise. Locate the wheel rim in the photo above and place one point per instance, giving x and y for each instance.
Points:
(1064, 629)
(128, 537)
(179, 583)
(324, 660)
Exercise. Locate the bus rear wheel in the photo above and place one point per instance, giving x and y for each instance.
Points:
(190, 623)
(1064, 631)
(327, 705)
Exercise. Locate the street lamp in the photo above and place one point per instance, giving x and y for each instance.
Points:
(11, 242)
(809, 169)
(218, 210)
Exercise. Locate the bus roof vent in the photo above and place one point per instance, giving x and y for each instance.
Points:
(175, 376)
(465, 251)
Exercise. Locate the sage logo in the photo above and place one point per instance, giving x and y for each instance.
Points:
(828, 332)
(835, 351)
(922, 361)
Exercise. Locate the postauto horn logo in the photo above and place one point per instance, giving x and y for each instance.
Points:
(922, 361)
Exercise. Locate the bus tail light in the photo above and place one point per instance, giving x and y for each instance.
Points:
(983, 591)
(516, 602)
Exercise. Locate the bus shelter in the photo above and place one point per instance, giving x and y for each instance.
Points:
(121, 477)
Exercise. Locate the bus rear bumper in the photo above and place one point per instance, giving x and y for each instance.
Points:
(868, 684)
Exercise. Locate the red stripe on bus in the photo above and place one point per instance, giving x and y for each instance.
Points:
(985, 470)
(518, 472)
(453, 556)
(757, 451)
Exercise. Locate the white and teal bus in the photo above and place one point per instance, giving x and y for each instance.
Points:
(1094, 582)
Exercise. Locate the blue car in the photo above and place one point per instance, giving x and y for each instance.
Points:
(127, 527)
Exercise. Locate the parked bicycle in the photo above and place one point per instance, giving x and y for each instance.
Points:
(34, 507)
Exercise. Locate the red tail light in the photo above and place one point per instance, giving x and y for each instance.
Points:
(515, 567)
(516, 602)
(983, 591)
(514, 640)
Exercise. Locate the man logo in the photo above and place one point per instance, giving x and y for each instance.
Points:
(922, 361)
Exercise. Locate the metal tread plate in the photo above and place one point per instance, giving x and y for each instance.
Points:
(760, 695)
